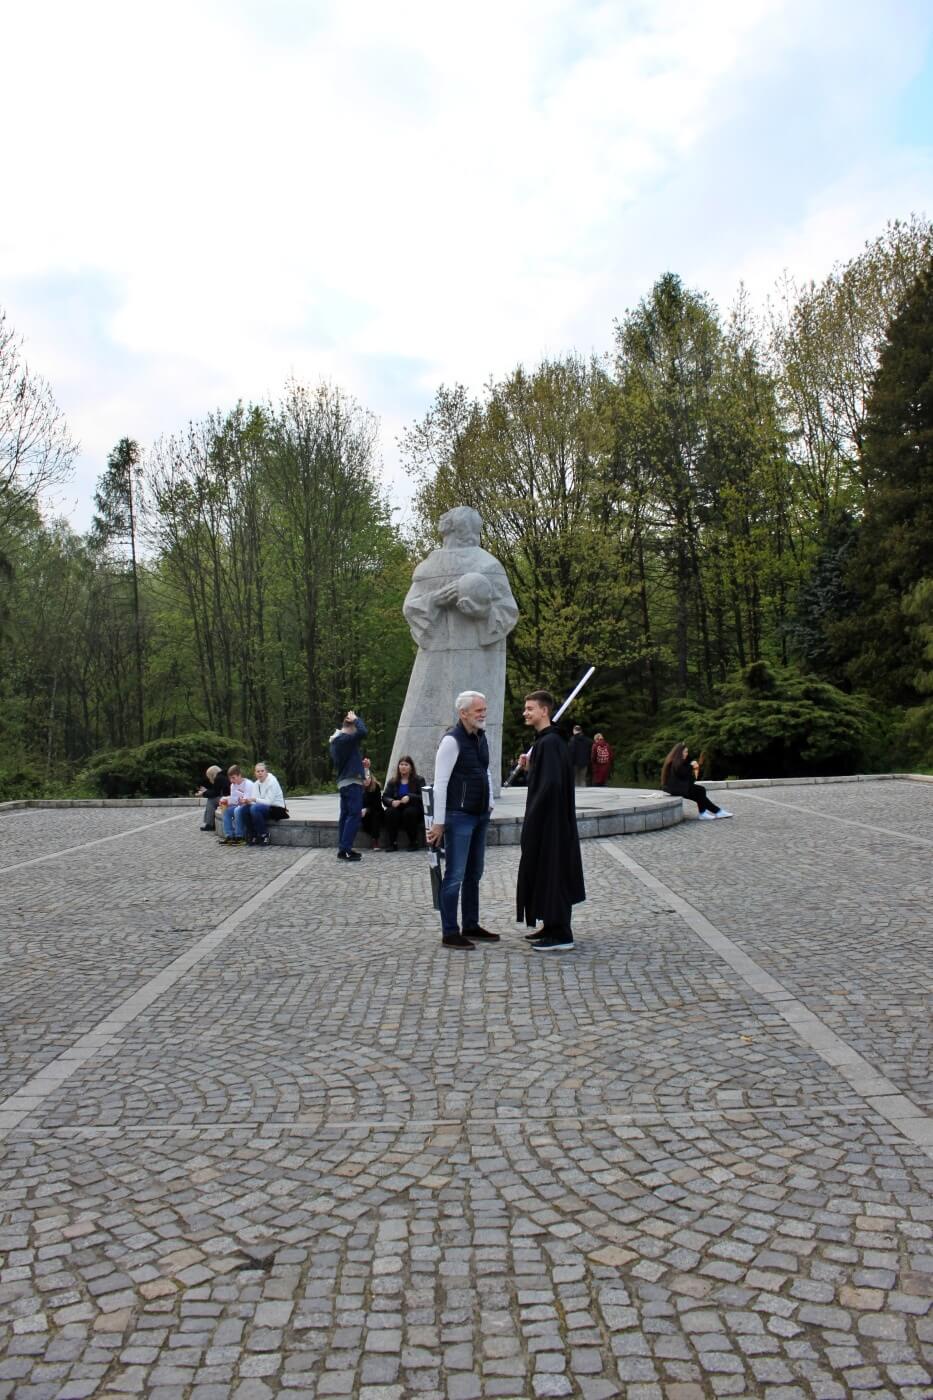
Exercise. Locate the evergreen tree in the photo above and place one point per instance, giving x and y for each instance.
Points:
(116, 521)
(895, 547)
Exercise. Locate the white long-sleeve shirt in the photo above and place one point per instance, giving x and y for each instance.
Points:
(270, 790)
(444, 764)
(240, 791)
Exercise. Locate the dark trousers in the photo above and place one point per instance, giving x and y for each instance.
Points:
(410, 821)
(351, 810)
(697, 793)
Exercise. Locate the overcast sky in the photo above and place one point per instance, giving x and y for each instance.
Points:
(201, 199)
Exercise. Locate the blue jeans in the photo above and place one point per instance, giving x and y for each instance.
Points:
(235, 821)
(257, 818)
(351, 812)
(465, 847)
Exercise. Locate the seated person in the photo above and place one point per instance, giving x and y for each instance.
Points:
(268, 805)
(216, 787)
(235, 806)
(679, 779)
(403, 805)
(372, 807)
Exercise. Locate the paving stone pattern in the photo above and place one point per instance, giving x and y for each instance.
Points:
(331, 1159)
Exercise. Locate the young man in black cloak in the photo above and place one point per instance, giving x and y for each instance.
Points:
(550, 873)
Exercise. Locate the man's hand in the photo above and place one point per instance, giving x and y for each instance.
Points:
(396, 802)
(350, 717)
(522, 761)
(435, 834)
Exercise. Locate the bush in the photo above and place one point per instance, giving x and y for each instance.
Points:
(916, 735)
(788, 726)
(769, 725)
(20, 779)
(163, 768)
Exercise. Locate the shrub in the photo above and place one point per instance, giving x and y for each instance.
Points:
(19, 778)
(772, 725)
(788, 726)
(163, 768)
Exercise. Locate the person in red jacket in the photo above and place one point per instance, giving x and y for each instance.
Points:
(600, 761)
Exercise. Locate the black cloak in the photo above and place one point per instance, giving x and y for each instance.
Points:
(550, 873)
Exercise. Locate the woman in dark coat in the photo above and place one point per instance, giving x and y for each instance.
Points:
(216, 787)
(403, 805)
(679, 779)
(371, 821)
(550, 873)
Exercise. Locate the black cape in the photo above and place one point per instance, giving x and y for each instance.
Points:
(550, 873)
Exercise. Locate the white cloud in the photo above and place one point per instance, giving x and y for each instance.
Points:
(250, 191)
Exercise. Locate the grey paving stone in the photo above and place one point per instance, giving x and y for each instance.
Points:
(327, 1166)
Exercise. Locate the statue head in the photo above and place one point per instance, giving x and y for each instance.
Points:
(461, 526)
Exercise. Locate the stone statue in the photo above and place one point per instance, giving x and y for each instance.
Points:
(460, 610)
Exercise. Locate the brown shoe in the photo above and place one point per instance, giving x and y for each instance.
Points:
(482, 935)
(456, 940)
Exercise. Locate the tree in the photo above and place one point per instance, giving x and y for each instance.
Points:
(894, 552)
(826, 340)
(36, 449)
(116, 523)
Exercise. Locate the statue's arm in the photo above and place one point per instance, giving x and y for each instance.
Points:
(423, 604)
(503, 610)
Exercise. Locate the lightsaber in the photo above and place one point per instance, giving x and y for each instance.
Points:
(554, 718)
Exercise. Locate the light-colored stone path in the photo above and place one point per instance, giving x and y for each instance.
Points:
(279, 1142)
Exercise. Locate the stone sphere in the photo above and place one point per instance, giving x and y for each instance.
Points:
(474, 588)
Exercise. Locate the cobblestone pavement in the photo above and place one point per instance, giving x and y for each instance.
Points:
(261, 1135)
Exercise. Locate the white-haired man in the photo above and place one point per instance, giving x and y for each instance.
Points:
(462, 808)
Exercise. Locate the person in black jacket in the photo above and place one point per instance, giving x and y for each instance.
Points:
(679, 779)
(216, 787)
(403, 805)
(550, 872)
(372, 807)
(580, 746)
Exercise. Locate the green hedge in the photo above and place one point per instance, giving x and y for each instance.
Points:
(163, 768)
(772, 725)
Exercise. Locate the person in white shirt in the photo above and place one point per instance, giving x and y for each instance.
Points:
(462, 808)
(242, 790)
(267, 804)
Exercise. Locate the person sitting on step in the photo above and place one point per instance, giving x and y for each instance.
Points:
(216, 787)
(403, 804)
(372, 806)
(678, 779)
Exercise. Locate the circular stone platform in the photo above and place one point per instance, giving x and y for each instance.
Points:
(600, 812)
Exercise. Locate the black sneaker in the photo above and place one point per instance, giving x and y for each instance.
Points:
(554, 943)
(349, 855)
(482, 935)
(536, 933)
(455, 940)
(262, 840)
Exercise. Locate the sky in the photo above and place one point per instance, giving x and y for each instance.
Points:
(203, 199)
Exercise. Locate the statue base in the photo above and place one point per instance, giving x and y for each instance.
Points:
(600, 812)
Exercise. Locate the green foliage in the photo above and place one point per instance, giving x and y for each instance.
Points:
(20, 779)
(787, 725)
(163, 768)
(916, 737)
(770, 725)
(894, 553)
(824, 599)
